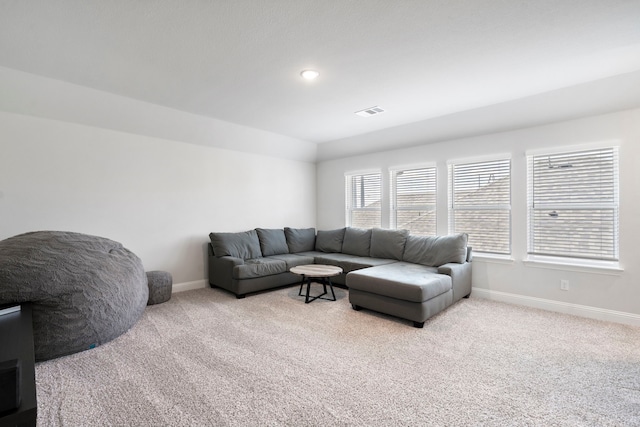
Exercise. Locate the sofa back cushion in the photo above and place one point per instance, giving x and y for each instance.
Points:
(243, 245)
(330, 240)
(272, 241)
(434, 251)
(388, 243)
(300, 239)
(357, 241)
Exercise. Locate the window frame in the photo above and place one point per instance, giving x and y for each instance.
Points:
(350, 196)
(393, 199)
(572, 259)
(452, 208)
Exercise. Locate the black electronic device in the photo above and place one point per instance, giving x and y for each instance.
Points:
(18, 405)
(9, 385)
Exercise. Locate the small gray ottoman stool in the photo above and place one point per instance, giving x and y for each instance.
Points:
(160, 286)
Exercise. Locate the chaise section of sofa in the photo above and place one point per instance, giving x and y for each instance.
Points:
(434, 273)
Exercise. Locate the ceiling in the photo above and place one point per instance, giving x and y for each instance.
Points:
(240, 60)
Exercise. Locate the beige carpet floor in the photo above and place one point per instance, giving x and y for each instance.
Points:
(205, 358)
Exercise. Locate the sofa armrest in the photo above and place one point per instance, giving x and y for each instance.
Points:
(221, 270)
(460, 278)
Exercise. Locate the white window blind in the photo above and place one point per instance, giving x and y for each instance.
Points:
(573, 204)
(414, 200)
(480, 204)
(363, 200)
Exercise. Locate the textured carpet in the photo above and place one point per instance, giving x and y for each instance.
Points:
(206, 358)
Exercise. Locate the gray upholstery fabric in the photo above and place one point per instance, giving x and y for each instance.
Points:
(84, 290)
(357, 241)
(221, 270)
(337, 247)
(246, 286)
(401, 280)
(350, 262)
(436, 250)
(332, 258)
(243, 245)
(336, 259)
(356, 262)
(388, 243)
(330, 240)
(259, 267)
(293, 260)
(415, 311)
(160, 285)
(460, 277)
(272, 241)
(300, 239)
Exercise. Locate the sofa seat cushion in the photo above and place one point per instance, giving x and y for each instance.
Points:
(312, 254)
(337, 259)
(400, 280)
(351, 263)
(259, 267)
(293, 260)
(357, 263)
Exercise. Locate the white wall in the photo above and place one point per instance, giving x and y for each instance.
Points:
(160, 197)
(596, 293)
(37, 96)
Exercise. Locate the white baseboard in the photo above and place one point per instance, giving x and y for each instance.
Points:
(187, 286)
(560, 307)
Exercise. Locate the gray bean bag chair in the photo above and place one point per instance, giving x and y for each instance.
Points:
(85, 290)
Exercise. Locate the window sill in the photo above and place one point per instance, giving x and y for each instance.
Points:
(492, 258)
(601, 267)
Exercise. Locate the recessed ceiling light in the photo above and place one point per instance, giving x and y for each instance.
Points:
(309, 74)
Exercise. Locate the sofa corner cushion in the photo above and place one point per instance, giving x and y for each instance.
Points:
(388, 243)
(300, 239)
(243, 245)
(330, 240)
(272, 241)
(434, 251)
(357, 241)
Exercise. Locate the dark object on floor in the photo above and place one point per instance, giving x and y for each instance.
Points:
(18, 405)
(160, 286)
(85, 290)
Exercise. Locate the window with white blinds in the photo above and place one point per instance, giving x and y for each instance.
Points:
(413, 200)
(363, 200)
(480, 204)
(573, 204)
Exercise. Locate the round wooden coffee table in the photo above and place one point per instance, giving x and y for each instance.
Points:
(320, 273)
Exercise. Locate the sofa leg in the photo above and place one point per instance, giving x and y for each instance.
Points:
(418, 324)
(467, 295)
(240, 296)
(356, 307)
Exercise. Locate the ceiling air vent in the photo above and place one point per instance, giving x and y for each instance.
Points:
(371, 111)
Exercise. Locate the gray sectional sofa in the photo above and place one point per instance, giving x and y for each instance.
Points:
(389, 271)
